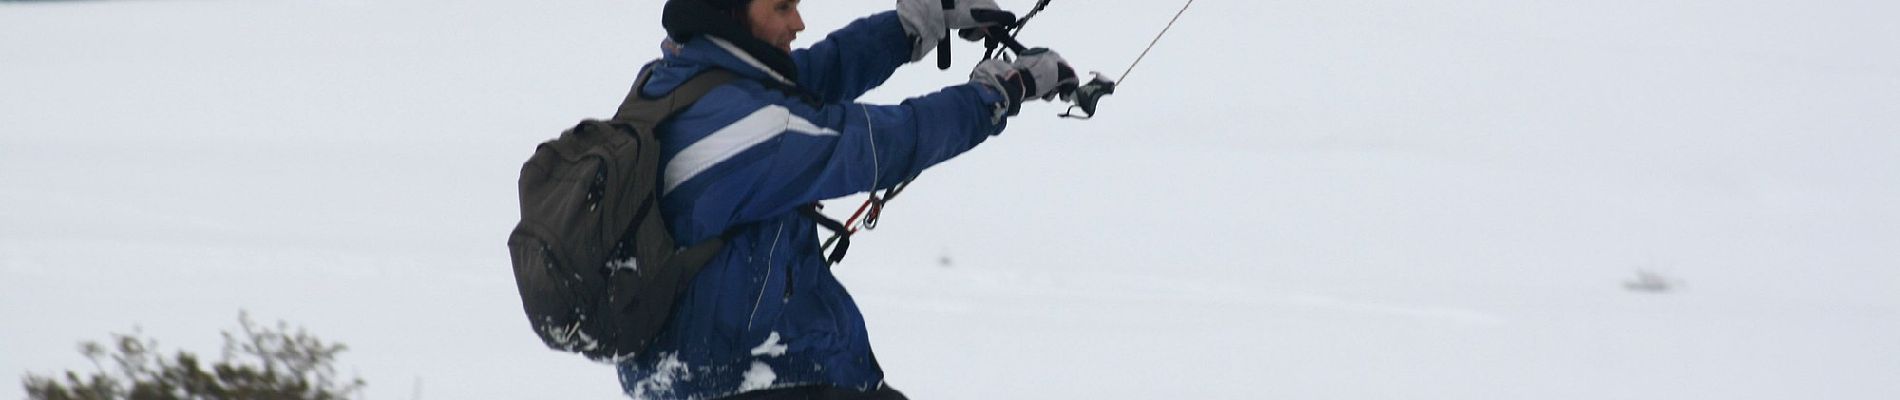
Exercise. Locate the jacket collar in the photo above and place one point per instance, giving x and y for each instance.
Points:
(683, 61)
(730, 56)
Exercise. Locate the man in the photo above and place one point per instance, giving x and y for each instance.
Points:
(765, 319)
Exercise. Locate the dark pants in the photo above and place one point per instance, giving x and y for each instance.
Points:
(820, 393)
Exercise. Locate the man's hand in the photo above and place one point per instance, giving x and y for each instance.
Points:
(927, 21)
(1038, 73)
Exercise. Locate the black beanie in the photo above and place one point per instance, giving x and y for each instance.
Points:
(684, 19)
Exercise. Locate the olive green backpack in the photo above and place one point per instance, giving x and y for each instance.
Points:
(597, 270)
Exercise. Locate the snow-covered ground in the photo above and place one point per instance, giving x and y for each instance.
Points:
(1371, 199)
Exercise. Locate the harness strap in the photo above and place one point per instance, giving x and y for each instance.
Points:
(842, 234)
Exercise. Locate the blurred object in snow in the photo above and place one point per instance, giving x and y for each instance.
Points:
(1651, 282)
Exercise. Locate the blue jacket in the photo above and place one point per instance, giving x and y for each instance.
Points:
(767, 312)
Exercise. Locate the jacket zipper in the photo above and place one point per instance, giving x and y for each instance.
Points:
(767, 282)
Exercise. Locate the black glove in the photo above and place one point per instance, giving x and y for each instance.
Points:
(927, 21)
(1037, 73)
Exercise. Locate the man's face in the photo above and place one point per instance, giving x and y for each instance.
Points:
(775, 21)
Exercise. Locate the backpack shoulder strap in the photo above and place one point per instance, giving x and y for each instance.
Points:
(646, 114)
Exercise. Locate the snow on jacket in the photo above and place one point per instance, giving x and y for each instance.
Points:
(767, 312)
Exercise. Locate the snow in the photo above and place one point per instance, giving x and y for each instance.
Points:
(760, 376)
(771, 347)
(669, 371)
(1328, 200)
(628, 263)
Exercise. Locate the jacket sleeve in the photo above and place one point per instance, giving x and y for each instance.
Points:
(762, 154)
(855, 59)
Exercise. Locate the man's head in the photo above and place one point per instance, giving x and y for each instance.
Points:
(776, 22)
(763, 29)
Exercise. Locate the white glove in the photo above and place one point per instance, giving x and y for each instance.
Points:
(927, 21)
(1038, 73)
